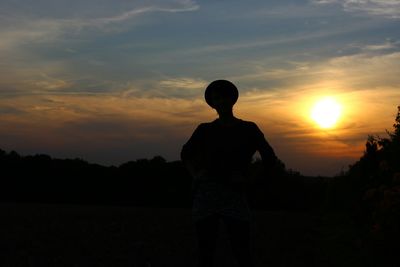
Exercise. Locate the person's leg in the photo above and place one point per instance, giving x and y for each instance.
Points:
(207, 230)
(239, 236)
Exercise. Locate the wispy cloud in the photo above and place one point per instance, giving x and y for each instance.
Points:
(324, 1)
(169, 7)
(184, 83)
(19, 28)
(385, 8)
(50, 83)
(292, 39)
(361, 70)
(182, 87)
(184, 6)
(382, 46)
(165, 87)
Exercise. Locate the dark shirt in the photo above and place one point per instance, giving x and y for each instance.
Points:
(222, 149)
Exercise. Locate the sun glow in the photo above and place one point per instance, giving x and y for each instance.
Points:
(326, 112)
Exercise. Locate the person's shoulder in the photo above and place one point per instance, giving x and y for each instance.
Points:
(205, 125)
(251, 127)
(249, 124)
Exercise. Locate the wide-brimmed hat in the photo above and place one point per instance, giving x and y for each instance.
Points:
(223, 87)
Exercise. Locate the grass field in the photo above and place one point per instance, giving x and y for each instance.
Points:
(77, 235)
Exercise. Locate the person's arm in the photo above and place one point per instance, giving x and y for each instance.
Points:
(269, 159)
(191, 155)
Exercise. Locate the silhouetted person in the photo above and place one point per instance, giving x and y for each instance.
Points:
(218, 155)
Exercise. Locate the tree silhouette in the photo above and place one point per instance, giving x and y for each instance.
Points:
(370, 190)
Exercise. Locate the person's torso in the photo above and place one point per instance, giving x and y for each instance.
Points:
(228, 147)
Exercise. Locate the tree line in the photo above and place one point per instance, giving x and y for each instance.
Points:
(143, 182)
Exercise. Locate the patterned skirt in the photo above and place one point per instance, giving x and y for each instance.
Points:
(210, 197)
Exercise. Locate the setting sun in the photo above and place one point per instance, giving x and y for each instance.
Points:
(326, 112)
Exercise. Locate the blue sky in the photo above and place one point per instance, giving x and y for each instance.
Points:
(112, 81)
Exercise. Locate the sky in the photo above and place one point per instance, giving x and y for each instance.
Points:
(111, 81)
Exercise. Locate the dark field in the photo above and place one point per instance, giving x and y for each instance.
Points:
(73, 235)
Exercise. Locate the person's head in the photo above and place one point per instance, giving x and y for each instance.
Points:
(221, 95)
